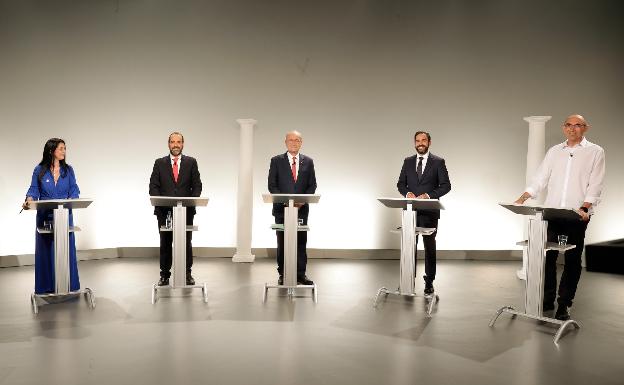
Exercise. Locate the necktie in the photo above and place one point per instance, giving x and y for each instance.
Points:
(419, 167)
(175, 169)
(293, 168)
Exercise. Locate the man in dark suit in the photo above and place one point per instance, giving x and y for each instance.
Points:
(174, 175)
(292, 173)
(424, 176)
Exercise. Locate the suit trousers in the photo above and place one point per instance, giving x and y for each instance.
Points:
(302, 256)
(430, 246)
(166, 245)
(575, 230)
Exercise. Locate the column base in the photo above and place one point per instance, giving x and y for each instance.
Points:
(243, 258)
(521, 274)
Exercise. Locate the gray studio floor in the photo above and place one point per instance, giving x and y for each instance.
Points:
(235, 339)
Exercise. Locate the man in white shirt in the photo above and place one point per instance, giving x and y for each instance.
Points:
(572, 172)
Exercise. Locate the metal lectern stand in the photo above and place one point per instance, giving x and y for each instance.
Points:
(537, 246)
(179, 229)
(61, 230)
(290, 228)
(409, 232)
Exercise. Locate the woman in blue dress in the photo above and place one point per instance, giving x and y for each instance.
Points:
(52, 178)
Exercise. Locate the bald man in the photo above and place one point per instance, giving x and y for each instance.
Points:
(572, 172)
(292, 173)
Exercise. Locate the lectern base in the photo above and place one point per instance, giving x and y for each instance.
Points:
(291, 290)
(562, 324)
(155, 289)
(88, 293)
(432, 299)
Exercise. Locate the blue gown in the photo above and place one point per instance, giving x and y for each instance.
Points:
(45, 189)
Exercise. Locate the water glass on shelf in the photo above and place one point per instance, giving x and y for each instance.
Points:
(168, 221)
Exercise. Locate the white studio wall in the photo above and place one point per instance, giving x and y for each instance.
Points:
(357, 78)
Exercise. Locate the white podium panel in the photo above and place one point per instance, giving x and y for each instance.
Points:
(291, 229)
(60, 232)
(409, 232)
(537, 245)
(179, 229)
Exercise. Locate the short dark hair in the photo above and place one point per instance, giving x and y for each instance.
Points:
(175, 133)
(422, 132)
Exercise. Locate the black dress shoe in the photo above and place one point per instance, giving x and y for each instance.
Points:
(562, 314)
(429, 288)
(163, 281)
(280, 280)
(304, 280)
(189, 280)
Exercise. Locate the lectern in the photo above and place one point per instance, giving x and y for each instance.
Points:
(60, 231)
(409, 232)
(179, 229)
(290, 228)
(537, 246)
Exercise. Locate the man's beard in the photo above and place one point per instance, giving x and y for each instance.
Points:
(173, 150)
(422, 150)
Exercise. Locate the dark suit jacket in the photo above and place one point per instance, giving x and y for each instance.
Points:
(281, 182)
(434, 181)
(161, 182)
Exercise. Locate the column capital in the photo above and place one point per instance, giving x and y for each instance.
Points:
(247, 122)
(537, 119)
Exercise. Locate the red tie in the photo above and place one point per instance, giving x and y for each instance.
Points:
(293, 168)
(175, 169)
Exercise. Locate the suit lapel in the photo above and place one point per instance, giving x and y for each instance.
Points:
(428, 166)
(302, 165)
(181, 170)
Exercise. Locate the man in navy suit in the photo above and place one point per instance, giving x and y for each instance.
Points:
(424, 176)
(174, 175)
(292, 173)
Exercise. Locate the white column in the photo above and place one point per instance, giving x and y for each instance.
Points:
(245, 192)
(536, 150)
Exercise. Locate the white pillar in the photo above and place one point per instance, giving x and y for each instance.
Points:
(245, 192)
(536, 150)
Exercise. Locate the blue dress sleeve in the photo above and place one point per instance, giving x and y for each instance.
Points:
(74, 191)
(34, 190)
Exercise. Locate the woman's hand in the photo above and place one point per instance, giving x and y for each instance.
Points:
(26, 204)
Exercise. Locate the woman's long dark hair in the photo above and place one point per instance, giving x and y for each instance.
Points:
(48, 157)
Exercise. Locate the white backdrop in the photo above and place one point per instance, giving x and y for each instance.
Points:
(357, 78)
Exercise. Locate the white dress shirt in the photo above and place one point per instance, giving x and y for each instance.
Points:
(424, 164)
(424, 161)
(179, 161)
(290, 161)
(572, 175)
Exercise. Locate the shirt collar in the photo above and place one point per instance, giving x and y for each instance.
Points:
(290, 157)
(171, 158)
(424, 156)
(584, 143)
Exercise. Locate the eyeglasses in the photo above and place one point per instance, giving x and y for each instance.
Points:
(570, 125)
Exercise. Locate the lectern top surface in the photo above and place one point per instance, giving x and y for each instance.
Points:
(79, 203)
(549, 212)
(418, 204)
(173, 201)
(297, 198)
